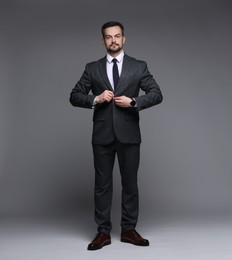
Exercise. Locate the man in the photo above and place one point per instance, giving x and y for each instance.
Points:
(115, 82)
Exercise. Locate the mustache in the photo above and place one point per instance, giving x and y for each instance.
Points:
(114, 44)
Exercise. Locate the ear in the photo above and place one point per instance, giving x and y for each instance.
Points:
(124, 39)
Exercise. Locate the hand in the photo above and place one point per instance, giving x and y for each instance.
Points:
(105, 96)
(122, 101)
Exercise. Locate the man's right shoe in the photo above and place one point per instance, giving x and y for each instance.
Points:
(99, 241)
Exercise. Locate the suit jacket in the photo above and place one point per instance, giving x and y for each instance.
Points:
(110, 120)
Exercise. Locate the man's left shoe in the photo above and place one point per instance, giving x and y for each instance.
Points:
(134, 238)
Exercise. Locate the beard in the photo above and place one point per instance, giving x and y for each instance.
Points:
(114, 48)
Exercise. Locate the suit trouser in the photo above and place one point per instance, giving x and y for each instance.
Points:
(128, 159)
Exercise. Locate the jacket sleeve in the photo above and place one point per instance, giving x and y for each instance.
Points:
(80, 96)
(153, 95)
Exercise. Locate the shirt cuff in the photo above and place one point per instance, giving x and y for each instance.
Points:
(94, 103)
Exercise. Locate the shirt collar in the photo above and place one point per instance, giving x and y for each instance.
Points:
(119, 57)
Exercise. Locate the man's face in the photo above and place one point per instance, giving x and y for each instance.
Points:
(113, 40)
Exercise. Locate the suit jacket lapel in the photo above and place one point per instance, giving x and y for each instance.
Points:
(102, 66)
(125, 69)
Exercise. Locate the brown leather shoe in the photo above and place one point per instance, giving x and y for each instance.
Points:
(99, 241)
(134, 238)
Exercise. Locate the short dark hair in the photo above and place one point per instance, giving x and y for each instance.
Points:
(111, 24)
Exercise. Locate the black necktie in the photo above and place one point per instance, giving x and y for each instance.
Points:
(115, 73)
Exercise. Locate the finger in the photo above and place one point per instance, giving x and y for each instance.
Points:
(108, 98)
(117, 99)
(109, 92)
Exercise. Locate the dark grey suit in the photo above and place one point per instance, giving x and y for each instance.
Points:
(116, 130)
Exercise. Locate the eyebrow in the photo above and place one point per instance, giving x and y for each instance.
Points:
(118, 34)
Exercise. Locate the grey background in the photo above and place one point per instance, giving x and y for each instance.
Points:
(45, 150)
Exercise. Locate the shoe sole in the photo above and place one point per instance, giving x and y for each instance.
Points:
(133, 243)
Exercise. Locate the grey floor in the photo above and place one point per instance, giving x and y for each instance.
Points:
(177, 239)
